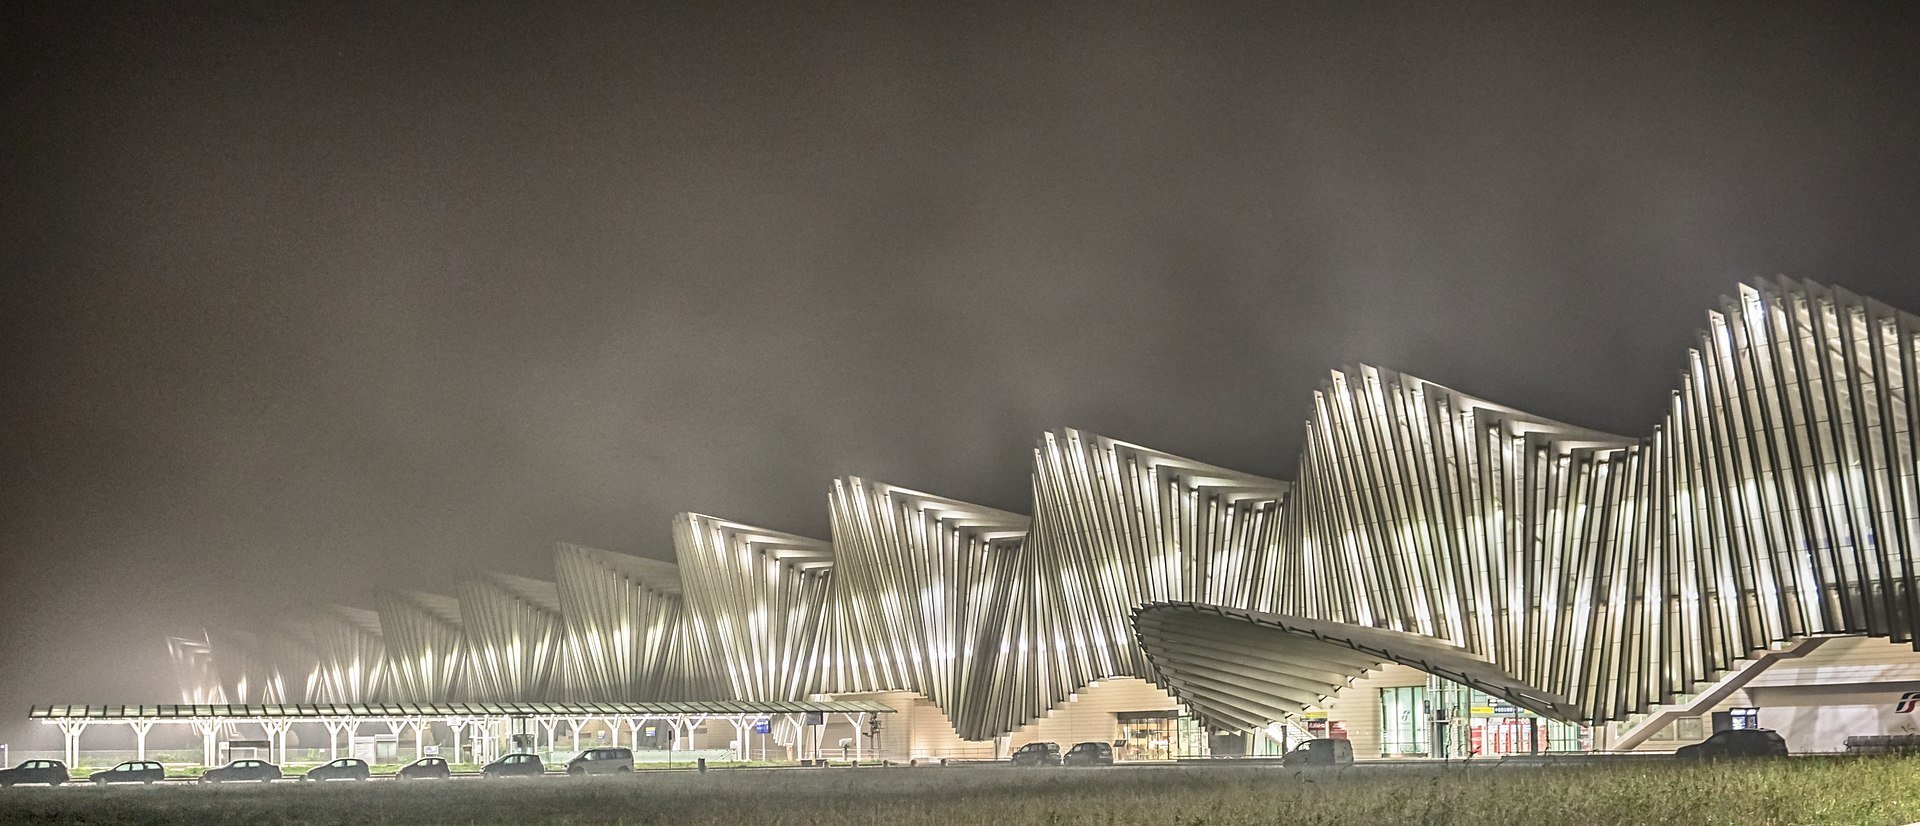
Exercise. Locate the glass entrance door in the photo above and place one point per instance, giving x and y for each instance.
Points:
(1158, 735)
(1404, 727)
(1467, 723)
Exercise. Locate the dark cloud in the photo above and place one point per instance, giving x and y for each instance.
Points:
(302, 300)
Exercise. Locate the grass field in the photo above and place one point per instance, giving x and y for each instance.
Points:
(1881, 791)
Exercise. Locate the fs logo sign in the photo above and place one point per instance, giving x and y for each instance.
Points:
(1908, 702)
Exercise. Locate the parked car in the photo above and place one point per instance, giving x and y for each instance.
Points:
(1089, 754)
(345, 768)
(50, 772)
(601, 761)
(425, 768)
(1323, 751)
(241, 771)
(1736, 743)
(515, 765)
(132, 771)
(1037, 754)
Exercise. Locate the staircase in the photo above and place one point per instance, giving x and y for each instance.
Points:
(1692, 705)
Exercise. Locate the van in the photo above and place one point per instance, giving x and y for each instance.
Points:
(1325, 751)
(601, 761)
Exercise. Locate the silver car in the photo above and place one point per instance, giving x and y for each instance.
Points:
(601, 761)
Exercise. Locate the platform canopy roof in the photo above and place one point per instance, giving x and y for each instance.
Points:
(714, 708)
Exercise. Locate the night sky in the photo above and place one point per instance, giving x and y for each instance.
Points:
(303, 300)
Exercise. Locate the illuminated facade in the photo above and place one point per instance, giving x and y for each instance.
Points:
(1581, 576)
(193, 670)
(352, 666)
(1117, 525)
(624, 620)
(513, 637)
(922, 585)
(426, 646)
(1595, 576)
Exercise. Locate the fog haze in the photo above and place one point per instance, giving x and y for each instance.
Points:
(305, 301)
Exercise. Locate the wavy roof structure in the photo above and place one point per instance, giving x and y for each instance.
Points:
(1584, 575)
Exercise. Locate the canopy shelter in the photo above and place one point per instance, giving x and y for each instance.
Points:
(1243, 670)
(482, 722)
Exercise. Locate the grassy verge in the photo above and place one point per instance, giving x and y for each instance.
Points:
(1879, 791)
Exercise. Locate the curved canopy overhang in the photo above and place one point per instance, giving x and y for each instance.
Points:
(1242, 670)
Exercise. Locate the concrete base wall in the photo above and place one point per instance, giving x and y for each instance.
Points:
(1818, 729)
(918, 730)
(1091, 713)
(1848, 686)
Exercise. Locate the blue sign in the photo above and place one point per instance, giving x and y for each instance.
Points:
(763, 727)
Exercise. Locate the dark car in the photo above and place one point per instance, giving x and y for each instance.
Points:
(1089, 754)
(132, 771)
(50, 772)
(1324, 751)
(601, 761)
(1736, 743)
(515, 765)
(345, 768)
(240, 771)
(1037, 754)
(425, 768)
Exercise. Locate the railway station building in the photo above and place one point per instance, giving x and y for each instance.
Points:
(1442, 577)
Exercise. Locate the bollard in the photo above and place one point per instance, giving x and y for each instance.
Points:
(702, 765)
